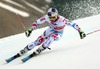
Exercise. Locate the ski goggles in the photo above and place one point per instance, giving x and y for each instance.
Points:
(52, 17)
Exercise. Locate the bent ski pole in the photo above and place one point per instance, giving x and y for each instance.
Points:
(93, 32)
(20, 21)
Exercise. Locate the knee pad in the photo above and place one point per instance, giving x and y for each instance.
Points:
(56, 36)
(39, 40)
(48, 41)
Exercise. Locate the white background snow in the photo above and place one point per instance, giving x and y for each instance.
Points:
(70, 52)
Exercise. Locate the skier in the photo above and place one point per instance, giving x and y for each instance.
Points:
(51, 34)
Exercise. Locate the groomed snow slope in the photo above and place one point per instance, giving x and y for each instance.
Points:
(70, 52)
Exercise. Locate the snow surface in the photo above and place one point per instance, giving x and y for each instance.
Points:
(70, 52)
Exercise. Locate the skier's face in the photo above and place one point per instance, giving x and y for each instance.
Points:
(53, 18)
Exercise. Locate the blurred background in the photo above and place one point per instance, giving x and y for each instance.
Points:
(30, 10)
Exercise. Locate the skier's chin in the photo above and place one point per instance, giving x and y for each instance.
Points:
(52, 20)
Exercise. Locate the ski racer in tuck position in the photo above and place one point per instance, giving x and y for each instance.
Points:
(51, 34)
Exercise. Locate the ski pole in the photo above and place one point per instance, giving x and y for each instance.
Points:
(20, 21)
(93, 32)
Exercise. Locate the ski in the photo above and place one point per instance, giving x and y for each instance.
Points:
(28, 57)
(12, 58)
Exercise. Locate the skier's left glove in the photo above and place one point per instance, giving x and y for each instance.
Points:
(82, 34)
(28, 32)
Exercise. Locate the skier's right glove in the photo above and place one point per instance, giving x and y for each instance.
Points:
(28, 32)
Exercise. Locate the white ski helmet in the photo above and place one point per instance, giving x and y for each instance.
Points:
(52, 12)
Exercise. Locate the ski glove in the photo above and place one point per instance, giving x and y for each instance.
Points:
(82, 34)
(28, 32)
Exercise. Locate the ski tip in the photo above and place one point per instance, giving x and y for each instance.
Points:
(23, 60)
(26, 59)
(7, 61)
(10, 59)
